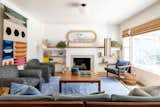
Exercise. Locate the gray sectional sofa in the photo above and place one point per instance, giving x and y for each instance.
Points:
(100, 100)
(83, 98)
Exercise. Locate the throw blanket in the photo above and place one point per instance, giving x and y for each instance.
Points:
(146, 91)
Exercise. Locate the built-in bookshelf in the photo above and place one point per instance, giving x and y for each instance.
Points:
(58, 57)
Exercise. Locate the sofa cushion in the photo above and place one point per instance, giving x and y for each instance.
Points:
(68, 98)
(98, 98)
(25, 98)
(138, 92)
(30, 81)
(152, 90)
(122, 63)
(21, 89)
(33, 62)
(9, 71)
(120, 98)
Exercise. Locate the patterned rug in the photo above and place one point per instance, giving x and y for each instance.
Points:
(108, 84)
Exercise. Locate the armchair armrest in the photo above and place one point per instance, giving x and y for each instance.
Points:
(45, 71)
(127, 66)
(48, 64)
(51, 67)
(6, 82)
(111, 64)
(37, 73)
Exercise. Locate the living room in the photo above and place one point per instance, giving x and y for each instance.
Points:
(76, 50)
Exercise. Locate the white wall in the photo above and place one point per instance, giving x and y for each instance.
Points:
(153, 12)
(57, 32)
(147, 15)
(35, 32)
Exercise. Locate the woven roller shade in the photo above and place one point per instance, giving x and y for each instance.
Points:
(125, 33)
(146, 27)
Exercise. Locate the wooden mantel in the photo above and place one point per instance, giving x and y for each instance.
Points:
(78, 47)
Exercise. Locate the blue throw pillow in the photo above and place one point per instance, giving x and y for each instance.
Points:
(21, 89)
(18, 88)
(32, 91)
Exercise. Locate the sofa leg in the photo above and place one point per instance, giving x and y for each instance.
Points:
(119, 76)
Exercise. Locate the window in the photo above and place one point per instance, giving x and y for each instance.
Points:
(146, 51)
(126, 48)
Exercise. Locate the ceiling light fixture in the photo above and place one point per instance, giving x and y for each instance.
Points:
(83, 4)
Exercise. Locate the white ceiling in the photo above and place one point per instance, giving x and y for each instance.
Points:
(97, 11)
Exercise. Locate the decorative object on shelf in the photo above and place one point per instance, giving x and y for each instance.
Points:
(116, 44)
(46, 59)
(81, 36)
(50, 60)
(75, 70)
(61, 52)
(99, 54)
(115, 55)
(107, 47)
(47, 56)
(61, 44)
(47, 53)
(85, 73)
(105, 60)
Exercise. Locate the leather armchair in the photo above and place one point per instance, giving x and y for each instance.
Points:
(118, 68)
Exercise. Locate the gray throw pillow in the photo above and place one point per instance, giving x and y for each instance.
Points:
(121, 98)
(138, 92)
(152, 90)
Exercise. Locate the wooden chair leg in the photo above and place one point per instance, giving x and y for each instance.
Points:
(119, 74)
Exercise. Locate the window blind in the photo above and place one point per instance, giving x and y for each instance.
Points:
(146, 27)
(125, 33)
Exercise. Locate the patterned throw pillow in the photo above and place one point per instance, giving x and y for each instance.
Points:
(21, 89)
(4, 90)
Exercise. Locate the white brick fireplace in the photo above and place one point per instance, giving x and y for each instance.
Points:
(72, 53)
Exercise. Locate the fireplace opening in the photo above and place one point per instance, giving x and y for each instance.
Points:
(82, 63)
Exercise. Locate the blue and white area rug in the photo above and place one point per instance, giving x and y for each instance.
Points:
(108, 84)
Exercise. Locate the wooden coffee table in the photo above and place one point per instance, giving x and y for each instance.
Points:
(67, 77)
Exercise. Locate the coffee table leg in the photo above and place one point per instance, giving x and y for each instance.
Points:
(60, 87)
(99, 86)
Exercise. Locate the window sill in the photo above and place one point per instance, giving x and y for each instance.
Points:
(148, 68)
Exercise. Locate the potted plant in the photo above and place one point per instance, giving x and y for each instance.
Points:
(61, 44)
